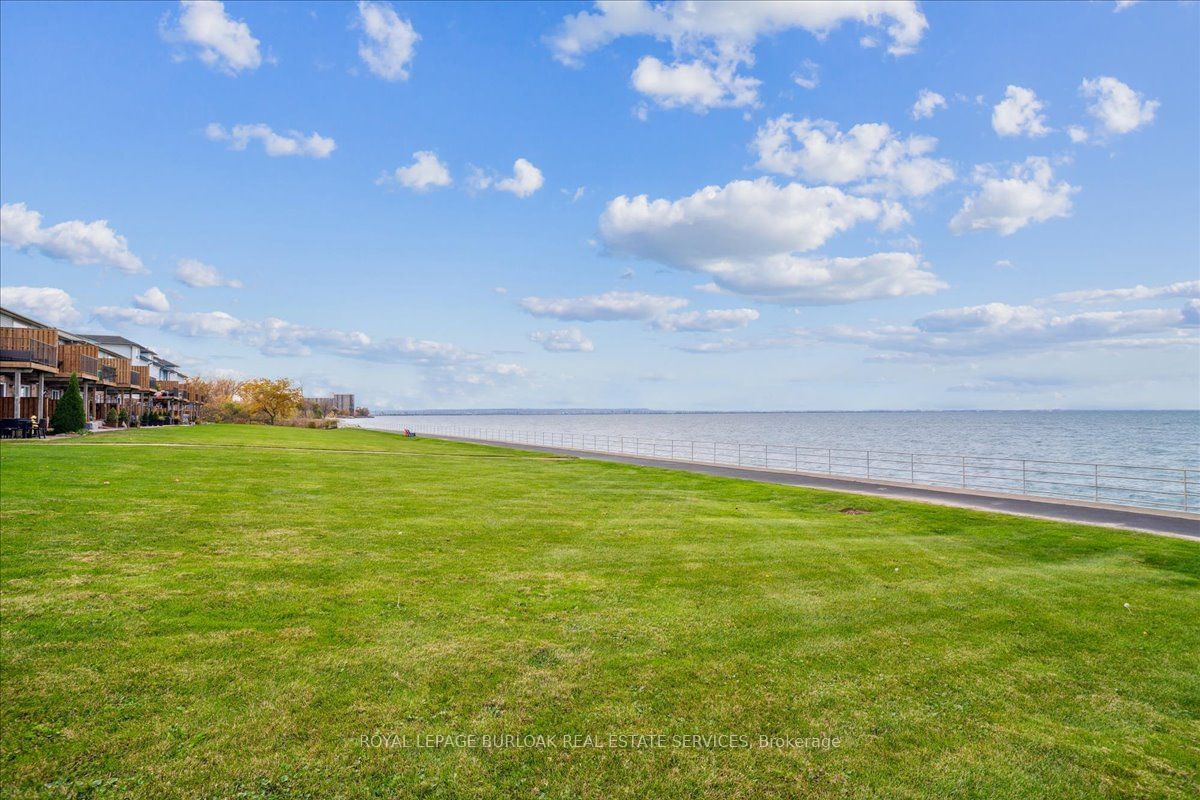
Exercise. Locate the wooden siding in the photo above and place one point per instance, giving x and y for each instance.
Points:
(29, 348)
(81, 359)
(122, 366)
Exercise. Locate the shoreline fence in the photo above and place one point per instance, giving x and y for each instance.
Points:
(1168, 488)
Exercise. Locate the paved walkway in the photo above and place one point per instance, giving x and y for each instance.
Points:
(1169, 523)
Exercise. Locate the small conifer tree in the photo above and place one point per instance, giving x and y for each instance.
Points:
(68, 414)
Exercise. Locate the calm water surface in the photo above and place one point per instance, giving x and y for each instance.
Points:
(1151, 438)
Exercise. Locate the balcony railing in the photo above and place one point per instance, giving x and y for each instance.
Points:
(108, 374)
(154, 383)
(135, 378)
(17, 345)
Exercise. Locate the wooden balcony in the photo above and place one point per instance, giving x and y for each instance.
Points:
(172, 389)
(81, 359)
(139, 378)
(120, 371)
(29, 348)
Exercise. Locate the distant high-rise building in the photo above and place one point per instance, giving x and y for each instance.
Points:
(344, 403)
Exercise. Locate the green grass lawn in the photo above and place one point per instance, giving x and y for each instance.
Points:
(230, 617)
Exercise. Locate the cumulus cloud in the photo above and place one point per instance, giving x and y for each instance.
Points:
(870, 156)
(199, 275)
(607, 306)
(152, 299)
(293, 143)
(1019, 113)
(711, 41)
(724, 319)
(1116, 107)
(1121, 5)
(389, 42)
(927, 103)
(747, 236)
(564, 340)
(1004, 328)
(797, 280)
(1006, 204)
(1186, 289)
(694, 84)
(221, 43)
(1078, 134)
(729, 27)
(75, 241)
(426, 171)
(43, 303)
(526, 179)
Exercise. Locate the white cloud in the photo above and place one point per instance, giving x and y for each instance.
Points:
(1003, 263)
(741, 220)
(796, 280)
(730, 27)
(869, 155)
(564, 340)
(389, 44)
(119, 316)
(927, 103)
(607, 306)
(710, 41)
(693, 84)
(293, 143)
(1019, 113)
(1117, 107)
(221, 43)
(1186, 289)
(1007, 204)
(526, 179)
(746, 237)
(202, 323)
(1003, 328)
(1077, 133)
(426, 171)
(809, 76)
(1121, 5)
(152, 299)
(446, 369)
(199, 275)
(725, 319)
(43, 303)
(75, 241)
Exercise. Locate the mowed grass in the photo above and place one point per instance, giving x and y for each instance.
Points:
(228, 611)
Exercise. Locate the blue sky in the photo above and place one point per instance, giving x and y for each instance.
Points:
(705, 207)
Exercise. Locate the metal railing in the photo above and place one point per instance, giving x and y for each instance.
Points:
(1169, 488)
(107, 374)
(29, 350)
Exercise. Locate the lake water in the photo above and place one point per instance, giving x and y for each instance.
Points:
(1149, 438)
(1131, 458)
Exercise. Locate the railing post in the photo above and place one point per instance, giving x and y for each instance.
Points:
(868, 465)
(912, 469)
(1096, 482)
(964, 471)
(739, 454)
(829, 461)
(1024, 482)
(693, 457)
(795, 459)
